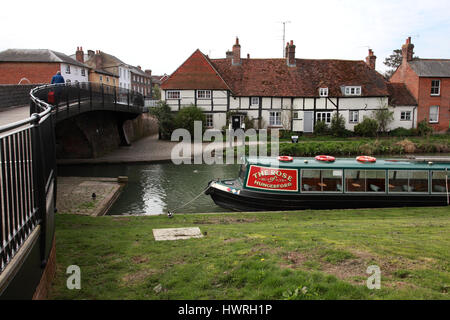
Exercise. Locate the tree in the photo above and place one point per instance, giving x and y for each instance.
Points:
(156, 93)
(164, 115)
(393, 62)
(383, 117)
(186, 116)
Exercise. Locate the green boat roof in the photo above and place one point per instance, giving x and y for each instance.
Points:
(350, 163)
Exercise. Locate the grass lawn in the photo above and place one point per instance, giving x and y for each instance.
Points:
(281, 255)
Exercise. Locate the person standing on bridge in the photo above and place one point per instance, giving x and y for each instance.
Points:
(57, 79)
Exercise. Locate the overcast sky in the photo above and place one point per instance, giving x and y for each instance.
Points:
(160, 35)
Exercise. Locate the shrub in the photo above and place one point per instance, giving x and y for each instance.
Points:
(338, 125)
(249, 124)
(424, 129)
(321, 128)
(367, 128)
(402, 132)
(383, 117)
(186, 116)
(165, 118)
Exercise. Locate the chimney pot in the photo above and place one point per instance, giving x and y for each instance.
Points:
(248, 55)
(371, 60)
(236, 60)
(79, 54)
(407, 51)
(290, 59)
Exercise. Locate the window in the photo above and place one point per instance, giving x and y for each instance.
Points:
(321, 180)
(435, 87)
(439, 181)
(353, 116)
(405, 115)
(68, 69)
(324, 116)
(107, 79)
(408, 181)
(209, 120)
(204, 94)
(434, 114)
(365, 180)
(323, 92)
(83, 72)
(295, 115)
(353, 91)
(275, 118)
(254, 101)
(172, 94)
(101, 78)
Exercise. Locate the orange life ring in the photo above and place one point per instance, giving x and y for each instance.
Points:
(325, 158)
(285, 158)
(366, 159)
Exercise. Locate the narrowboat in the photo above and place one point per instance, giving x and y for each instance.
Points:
(286, 183)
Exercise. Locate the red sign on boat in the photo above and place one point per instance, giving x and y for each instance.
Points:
(275, 179)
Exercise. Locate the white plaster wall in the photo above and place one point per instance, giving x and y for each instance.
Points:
(75, 73)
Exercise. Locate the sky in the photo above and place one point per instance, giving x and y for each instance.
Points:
(161, 35)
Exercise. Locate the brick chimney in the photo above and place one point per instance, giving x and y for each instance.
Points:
(291, 55)
(407, 50)
(139, 67)
(79, 54)
(286, 50)
(229, 55)
(236, 60)
(148, 71)
(371, 59)
(98, 60)
(90, 53)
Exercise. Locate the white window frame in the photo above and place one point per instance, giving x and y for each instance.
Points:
(254, 101)
(203, 94)
(438, 87)
(67, 69)
(173, 95)
(323, 92)
(405, 116)
(437, 114)
(209, 120)
(351, 117)
(353, 91)
(324, 116)
(275, 118)
(83, 72)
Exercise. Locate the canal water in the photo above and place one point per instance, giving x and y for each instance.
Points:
(152, 189)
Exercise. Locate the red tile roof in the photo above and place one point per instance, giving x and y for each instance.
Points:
(272, 77)
(400, 95)
(195, 73)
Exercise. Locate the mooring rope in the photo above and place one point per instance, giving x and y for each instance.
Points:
(171, 212)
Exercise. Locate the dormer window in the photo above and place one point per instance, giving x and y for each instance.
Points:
(254, 101)
(323, 92)
(353, 91)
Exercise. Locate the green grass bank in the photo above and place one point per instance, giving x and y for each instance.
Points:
(276, 255)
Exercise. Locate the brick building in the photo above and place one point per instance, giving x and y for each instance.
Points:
(97, 73)
(35, 66)
(429, 82)
(287, 93)
(141, 81)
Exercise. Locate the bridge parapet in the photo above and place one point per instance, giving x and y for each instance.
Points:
(28, 177)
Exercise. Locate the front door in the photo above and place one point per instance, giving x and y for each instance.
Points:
(308, 121)
(236, 122)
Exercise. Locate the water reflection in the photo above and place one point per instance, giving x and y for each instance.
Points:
(154, 188)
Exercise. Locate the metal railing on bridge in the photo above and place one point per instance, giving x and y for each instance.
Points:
(28, 161)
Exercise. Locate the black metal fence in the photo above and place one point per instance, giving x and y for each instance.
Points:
(28, 162)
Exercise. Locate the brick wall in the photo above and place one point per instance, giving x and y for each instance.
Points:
(15, 95)
(426, 100)
(35, 72)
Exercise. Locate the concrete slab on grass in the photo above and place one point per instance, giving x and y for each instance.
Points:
(176, 233)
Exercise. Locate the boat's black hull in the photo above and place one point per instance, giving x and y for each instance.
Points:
(259, 201)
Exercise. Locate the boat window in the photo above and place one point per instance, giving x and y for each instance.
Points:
(438, 182)
(365, 180)
(408, 181)
(322, 180)
(243, 172)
